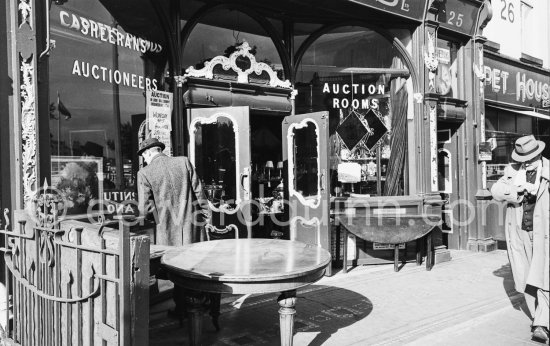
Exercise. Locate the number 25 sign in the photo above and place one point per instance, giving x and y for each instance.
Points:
(458, 15)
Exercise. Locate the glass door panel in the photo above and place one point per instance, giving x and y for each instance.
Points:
(220, 150)
(215, 157)
(305, 162)
(305, 153)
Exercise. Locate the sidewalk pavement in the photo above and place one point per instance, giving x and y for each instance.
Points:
(467, 301)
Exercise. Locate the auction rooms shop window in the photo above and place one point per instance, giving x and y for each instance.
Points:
(100, 67)
(359, 77)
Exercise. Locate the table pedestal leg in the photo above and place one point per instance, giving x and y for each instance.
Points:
(429, 252)
(396, 258)
(287, 302)
(194, 304)
(345, 251)
(418, 251)
(215, 299)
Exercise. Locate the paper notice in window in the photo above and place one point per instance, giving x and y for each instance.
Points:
(349, 172)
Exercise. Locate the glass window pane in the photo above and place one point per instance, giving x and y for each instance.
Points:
(225, 29)
(104, 59)
(507, 122)
(491, 120)
(357, 75)
(542, 133)
(444, 171)
(306, 164)
(215, 159)
(524, 124)
(445, 80)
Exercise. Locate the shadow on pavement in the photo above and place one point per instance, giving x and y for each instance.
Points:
(320, 310)
(505, 272)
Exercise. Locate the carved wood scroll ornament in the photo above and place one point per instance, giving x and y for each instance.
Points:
(430, 59)
(243, 50)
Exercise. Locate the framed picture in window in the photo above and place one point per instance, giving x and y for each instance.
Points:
(79, 181)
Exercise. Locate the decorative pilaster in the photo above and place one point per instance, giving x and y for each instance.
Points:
(428, 144)
(28, 129)
(480, 239)
(24, 75)
(479, 94)
(430, 59)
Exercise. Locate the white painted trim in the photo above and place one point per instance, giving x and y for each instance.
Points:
(211, 120)
(243, 50)
(310, 223)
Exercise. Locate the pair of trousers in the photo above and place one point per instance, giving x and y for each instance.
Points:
(536, 298)
(537, 302)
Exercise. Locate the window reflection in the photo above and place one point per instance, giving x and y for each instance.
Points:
(445, 80)
(103, 61)
(358, 76)
(215, 159)
(306, 169)
(503, 128)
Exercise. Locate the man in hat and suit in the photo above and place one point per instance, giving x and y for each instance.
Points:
(524, 187)
(170, 188)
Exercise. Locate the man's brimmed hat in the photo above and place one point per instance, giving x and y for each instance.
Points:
(527, 148)
(149, 143)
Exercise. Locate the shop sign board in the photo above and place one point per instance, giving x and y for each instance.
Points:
(159, 116)
(84, 29)
(458, 15)
(413, 9)
(508, 83)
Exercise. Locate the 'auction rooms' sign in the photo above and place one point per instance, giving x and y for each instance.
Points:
(356, 96)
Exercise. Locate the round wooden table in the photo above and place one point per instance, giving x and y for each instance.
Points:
(243, 266)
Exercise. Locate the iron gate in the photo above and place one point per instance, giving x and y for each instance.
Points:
(73, 283)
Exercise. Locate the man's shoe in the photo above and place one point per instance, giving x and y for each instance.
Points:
(540, 334)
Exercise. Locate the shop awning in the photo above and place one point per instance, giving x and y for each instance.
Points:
(531, 113)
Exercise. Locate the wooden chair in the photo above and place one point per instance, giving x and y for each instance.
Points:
(214, 233)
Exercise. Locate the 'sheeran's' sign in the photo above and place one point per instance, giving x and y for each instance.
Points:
(512, 84)
(413, 9)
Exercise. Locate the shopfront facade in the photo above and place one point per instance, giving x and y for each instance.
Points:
(517, 103)
(362, 106)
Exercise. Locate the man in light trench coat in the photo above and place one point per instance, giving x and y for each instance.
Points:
(169, 188)
(525, 187)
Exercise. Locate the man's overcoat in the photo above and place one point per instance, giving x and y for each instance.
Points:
(176, 190)
(504, 190)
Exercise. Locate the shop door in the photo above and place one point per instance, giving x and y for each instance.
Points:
(219, 148)
(448, 181)
(305, 155)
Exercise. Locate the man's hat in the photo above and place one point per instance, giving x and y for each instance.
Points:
(527, 148)
(149, 143)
